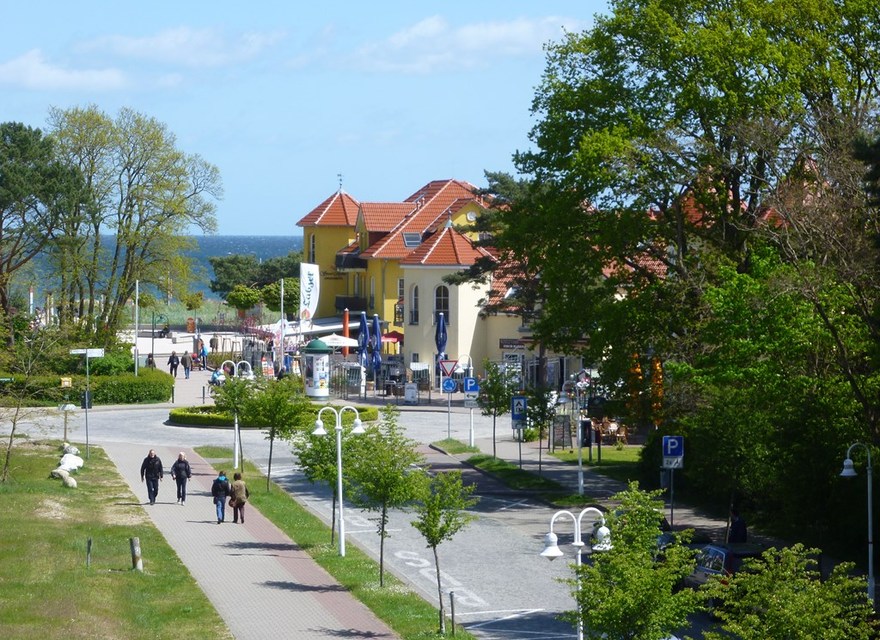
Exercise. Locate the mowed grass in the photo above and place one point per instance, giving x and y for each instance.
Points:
(46, 589)
(402, 609)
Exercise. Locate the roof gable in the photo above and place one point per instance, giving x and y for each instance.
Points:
(445, 248)
(339, 210)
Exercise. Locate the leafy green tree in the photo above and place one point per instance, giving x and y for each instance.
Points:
(243, 298)
(230, 271)
(496, 393)
(629, 592)
(540, 409)
(271, 295)
(441, 514)
(317, 457)
(273, 269)
(144, 189)
(193, 301)
(385, 473)
(36, 188)
(782, 596)
(234, 396)
(280, 407)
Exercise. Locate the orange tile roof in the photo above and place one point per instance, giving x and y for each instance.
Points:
(445, 248)
(384, 216)
(339, 210)
(433, 202)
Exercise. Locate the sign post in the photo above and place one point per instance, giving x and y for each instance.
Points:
(87, 398)
(518, 406)
(471, 393)
(673, 458)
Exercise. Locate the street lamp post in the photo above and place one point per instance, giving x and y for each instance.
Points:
(850, 472)
(320, 431)
(551, 547)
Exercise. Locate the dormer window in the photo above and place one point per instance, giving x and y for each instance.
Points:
(411, 239)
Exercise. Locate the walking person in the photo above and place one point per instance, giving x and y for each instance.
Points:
(738, 530)
(181, 472)
(203, 356)
(187, 362)
(220, 489)
(240, 494)
(173, 362)
(151, 473)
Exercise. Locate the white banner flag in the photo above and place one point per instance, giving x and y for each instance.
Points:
(309, 288)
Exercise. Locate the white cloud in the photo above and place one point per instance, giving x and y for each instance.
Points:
(187, 47)
(434, 45)
(32, 71)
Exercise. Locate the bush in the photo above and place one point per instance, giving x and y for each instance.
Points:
(148, 386)
(208, 416)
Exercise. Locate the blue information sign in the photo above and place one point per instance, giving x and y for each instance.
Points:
(518, 408)
(471, 385)
(449, 385)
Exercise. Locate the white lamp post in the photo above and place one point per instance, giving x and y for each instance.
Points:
(551, 548)
(850, 472)
(321, 431)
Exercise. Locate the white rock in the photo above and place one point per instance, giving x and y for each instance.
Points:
(60, 473)
(70, 482)
(70, 462)
(69, 448)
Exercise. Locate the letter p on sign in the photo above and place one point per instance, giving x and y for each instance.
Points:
(673, 446)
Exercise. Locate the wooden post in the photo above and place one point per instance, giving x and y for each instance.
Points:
(137, 562)
(452, 609)
(88, 547)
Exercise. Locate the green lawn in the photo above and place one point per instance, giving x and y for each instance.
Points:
(46, 589)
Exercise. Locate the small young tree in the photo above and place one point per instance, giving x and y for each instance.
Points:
(382, 477)
(317, 458)
(281, 408)
(781, 595)
(496, 392)
(630, 592)
(540, 409)
(441, 514)
(243, 298)
(233, 397)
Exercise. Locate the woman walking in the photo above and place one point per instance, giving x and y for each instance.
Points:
(240, 494)
(220, 489)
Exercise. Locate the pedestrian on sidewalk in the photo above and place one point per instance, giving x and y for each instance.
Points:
(173, 362)
(203, 356)
(220, 489)
(181, 472)
(240, 494)
(187, 363)
(151, 473)
(151, 362)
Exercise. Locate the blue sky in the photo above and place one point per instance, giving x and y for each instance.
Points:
(285, 96)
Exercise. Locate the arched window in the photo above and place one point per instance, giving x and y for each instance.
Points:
(441, 302)
(312, 249)
(414, 305)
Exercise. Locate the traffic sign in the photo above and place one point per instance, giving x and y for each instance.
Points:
(448, 366)
(89, 353)
(471, 385)
(673, 452)
(471, 403)
(449, 385)
(518, 406)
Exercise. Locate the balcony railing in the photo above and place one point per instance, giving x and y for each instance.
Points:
(350, 262)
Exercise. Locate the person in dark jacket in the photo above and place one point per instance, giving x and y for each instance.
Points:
(181, 472)
(738, 531)
(220, 489)
(173, 362)
(187, 362)
(151, 473)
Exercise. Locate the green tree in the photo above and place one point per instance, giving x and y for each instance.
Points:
(629, 592)
(782, 596)
(234, 396)
(36, 188)
(144, 189)
(273, 269)
(317, 458)
(233, 270)
(441, 514)
(271, 295)
(281, 408)
(385, 473)
(243, 298)
(496, 393)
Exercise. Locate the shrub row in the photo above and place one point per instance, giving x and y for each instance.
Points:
(125, 388)
(208, 416)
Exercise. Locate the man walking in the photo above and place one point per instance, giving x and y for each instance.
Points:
(181, 472)
(187, 362)
(151, 473)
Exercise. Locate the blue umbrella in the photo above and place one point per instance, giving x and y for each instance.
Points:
(376, 340)
(440, 337)
(363, 341)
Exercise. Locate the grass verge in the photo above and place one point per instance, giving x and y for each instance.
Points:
(46, 589)
(406, 612)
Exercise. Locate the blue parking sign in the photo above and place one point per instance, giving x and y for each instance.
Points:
(673, 446)
(471, 385)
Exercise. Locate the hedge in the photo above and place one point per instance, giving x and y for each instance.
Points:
(150, 385)
(208, 416)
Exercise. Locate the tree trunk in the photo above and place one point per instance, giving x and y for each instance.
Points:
(440, 592)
